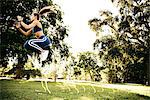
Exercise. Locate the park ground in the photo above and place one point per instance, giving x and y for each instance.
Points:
(71, 90)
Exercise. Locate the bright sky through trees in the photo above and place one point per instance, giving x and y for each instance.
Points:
(76, 16)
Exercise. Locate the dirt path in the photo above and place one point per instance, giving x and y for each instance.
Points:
(142, 90)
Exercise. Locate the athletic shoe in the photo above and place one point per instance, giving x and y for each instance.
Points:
(44, 54)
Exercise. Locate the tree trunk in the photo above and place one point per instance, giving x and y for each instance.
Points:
(148, 67)
(91, 76)
(18, 74)
(55, 76)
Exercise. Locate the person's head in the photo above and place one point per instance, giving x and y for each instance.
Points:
(35, 16)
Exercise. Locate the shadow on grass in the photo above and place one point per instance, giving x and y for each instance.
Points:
(143, 96)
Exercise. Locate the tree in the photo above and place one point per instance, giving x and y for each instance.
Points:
(12, 41)
(130, 40)
(89, 63)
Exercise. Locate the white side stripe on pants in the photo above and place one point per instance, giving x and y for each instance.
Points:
(33, 41)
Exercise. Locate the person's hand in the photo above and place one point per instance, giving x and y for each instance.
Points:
(18, 25)
(19, 18)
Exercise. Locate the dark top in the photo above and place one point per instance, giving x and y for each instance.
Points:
(36, 29)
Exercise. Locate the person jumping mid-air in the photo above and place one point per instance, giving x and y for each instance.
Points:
(41, 41)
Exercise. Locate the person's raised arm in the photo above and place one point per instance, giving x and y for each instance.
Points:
(33, 24)
(30, 26)
(22, 31)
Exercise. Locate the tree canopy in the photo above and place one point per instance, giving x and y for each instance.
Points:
(126, 52)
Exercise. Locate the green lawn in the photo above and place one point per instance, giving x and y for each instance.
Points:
(30, 90)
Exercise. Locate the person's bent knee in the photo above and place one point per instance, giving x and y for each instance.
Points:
(26, 45)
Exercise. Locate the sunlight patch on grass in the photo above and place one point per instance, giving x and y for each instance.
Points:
(86, 98)
(55, 98)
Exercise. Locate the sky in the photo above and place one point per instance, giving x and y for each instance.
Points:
(77, 13)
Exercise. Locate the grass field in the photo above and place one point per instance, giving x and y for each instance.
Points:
(31, 90)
